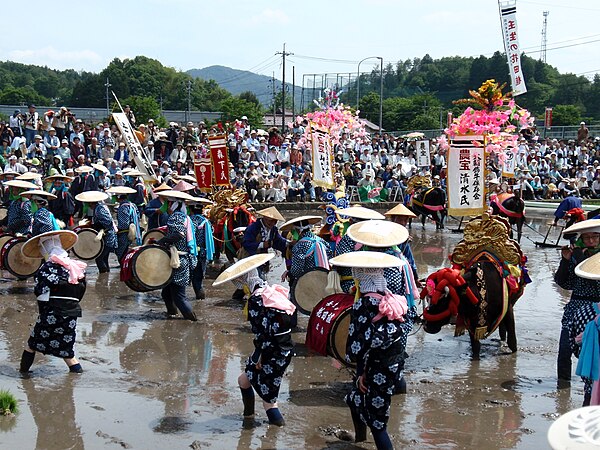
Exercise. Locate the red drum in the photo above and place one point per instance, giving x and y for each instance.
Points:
(4, 238)
(15, 262)
(328, 326)
(154, 233)
(146, 268)
(87, 247)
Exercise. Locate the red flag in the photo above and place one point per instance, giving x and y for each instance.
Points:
(203, 172)
(219, 159)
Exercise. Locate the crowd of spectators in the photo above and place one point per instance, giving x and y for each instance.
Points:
(275, 166)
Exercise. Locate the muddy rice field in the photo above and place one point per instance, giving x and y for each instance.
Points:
(153, 383)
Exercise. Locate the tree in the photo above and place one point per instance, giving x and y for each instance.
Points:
(249, 97)
(566, 115)
(22, 95)
(144, 108)
(235, 107)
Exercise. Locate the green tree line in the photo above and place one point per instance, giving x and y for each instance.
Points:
(417, 92)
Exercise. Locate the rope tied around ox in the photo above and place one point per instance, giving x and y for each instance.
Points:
(444, 282)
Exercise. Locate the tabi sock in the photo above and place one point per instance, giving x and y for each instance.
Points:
(382, 439)
(360, 428)
(76, 368)
(26, 361)
(248, 399)
(275, 417)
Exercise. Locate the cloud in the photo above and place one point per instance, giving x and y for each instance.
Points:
(270, 17)
(58, 59)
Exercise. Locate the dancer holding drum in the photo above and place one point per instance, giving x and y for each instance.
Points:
(128, 220)
(102, 222)
(63, 207)
(43, 219)
(400, 214)
(19, 216)
(270, 313)
(181, 238)
(60, 286)
(376, 342)
(206, 245)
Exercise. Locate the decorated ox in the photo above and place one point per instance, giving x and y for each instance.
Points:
(231, 212)
(511, 207)
(480, 289)
(430, 202)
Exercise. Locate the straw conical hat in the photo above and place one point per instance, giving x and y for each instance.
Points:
(31, 248)
(585, 226)
(38, 192)
(198, 200)
(290, 223)
(121, 190)
(8, 173)
(84, 169)
(271, 213)
(58, 177)
(360, 212)
(183, 186)
(400, 210)
(29, 176)
(133, 173)
(21, 184)
(91, 196)
(176, 195)
(242, 267)
(101, 168)
(589, 268)
(188, 178)
(161, 187)
(365, 259)
(378, 233)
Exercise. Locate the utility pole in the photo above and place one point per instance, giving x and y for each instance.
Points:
(544, 36)
(189, 100)
(293, 93)
(274, 104)
(107, 86)
(283, 55)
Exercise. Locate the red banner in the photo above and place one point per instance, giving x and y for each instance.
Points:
(548, 118)
(203, 172)
(219, 159)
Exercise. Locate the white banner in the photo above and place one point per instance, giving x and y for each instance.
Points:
(322, 153)
(510, 33)
(423, 156)
(136, 151)
(510, 162)
(466, 165)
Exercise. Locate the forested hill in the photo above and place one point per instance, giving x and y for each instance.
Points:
(416, 92)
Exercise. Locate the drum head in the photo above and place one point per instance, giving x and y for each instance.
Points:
(309, 289)
(155, 234)
(17, 264)
(339, 336)
(3, 213)
(4, 238)
(87, 247)
(151, 267)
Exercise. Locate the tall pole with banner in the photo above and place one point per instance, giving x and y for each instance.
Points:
(510, 34)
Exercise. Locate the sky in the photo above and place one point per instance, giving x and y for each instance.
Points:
(324, 36)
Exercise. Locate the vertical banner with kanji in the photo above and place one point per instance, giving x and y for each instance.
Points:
(136, 151)
(510, 33)
(203, 172)
(548, 118)
(321, 152)
(219, 159)
(466, 177)
(423, 156)
(509, 163)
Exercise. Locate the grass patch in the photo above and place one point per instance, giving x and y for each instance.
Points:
(8, 403)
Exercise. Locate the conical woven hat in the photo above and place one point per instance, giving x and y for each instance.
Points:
(29, 176)
(84, 169)
(31, 248)
(366, 259)
(120, 190)
(242, 267)
(290, 223)
(400, 210)
(585, 226)
(589, 268)
(21, 184)
(91, 196)
(39, 193)
(271, 213)
(183, 186)
(160, 188)
(176, 195)
(360, 212)
(378, 233)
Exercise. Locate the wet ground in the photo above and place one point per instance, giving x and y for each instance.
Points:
(156, 383)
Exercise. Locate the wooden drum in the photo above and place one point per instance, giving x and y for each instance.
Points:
(309, 289)
(87, 247)
(15, 262)
(154, 233)
(146, 268)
